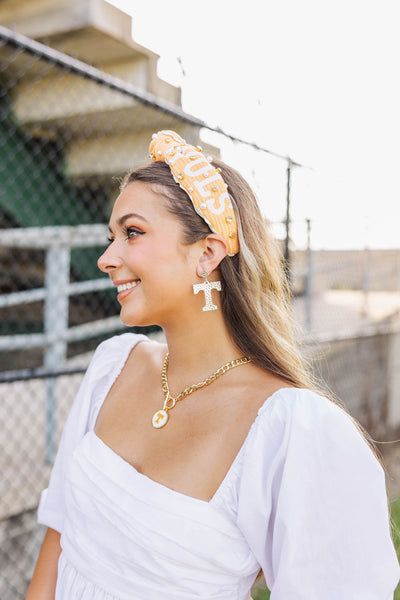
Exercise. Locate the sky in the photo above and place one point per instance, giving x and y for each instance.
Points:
(314, 80)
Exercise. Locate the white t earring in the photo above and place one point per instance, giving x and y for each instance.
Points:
(206, 287)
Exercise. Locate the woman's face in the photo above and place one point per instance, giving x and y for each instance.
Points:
(146, 259)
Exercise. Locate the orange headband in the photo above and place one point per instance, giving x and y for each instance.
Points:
(201, 181)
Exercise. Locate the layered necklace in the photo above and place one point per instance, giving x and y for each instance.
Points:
(160, 418)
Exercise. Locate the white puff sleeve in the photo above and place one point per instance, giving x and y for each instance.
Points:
(104, 367)
(312, 504)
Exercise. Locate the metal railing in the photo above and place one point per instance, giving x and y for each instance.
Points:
(57, 243)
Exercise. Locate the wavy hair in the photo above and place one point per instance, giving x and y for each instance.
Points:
(255, 293)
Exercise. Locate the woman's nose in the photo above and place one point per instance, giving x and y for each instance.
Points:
(109, 260)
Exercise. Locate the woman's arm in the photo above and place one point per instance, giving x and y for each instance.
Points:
(313, 505)
(43, 584)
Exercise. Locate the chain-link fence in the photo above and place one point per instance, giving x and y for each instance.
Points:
(25, 466)
(66, 132)
(340, 292)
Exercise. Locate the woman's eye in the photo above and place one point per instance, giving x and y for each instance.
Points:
(131, 233)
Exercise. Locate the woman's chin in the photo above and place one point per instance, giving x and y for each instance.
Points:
(134, 320)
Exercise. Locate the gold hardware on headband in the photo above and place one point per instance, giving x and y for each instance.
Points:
(201, 181)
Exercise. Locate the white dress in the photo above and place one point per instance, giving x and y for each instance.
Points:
(304, 500)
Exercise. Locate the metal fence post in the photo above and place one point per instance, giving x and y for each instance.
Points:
(287, 222)
(55, 326)
(366, 280)
(309, 276)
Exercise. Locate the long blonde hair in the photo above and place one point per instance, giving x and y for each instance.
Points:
(255, 300)
(255, 294)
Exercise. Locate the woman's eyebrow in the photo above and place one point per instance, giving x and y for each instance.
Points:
(124, 218)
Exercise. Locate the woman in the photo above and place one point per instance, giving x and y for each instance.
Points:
(166, 489)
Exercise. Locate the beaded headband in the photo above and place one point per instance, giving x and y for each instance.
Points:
(201, 181)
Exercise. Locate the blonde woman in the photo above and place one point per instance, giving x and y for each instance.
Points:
(186, 467)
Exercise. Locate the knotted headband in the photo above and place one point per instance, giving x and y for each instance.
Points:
(201, 181)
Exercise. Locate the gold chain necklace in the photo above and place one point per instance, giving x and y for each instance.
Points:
(160, 418)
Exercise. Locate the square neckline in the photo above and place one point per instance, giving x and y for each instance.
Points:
(112, 378)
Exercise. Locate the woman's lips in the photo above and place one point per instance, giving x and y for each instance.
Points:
(125, 288)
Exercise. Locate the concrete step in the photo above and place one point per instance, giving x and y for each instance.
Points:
(90, 118)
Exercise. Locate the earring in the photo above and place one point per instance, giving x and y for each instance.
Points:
(206, 287)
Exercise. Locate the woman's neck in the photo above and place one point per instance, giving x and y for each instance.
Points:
(198, 347)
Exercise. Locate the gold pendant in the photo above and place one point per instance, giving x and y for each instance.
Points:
(160, 419)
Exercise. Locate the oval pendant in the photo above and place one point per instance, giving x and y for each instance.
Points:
(160, 418)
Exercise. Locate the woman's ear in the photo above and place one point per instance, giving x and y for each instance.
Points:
(214, 250)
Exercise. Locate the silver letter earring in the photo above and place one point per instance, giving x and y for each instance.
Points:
(206, 287)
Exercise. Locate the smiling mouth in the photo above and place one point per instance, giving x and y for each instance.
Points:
(127, 286)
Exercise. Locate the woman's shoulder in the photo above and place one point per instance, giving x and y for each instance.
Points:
(301, 433)
(120, 343)
(118, 347)
(125, 350)
(301, 405)
(304, 419)
(305, 423)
